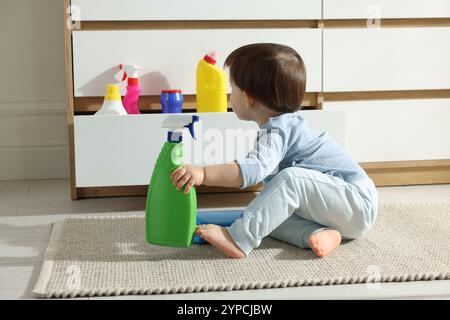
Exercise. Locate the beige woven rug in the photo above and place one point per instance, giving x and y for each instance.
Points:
(109, 256)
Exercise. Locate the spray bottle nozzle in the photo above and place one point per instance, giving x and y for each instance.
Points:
(178, 122)
(127, 71)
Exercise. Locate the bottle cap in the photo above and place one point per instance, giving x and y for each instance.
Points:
(171, 91)
(112, 92)
(210, 57)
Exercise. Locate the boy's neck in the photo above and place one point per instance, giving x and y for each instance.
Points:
(263, 115)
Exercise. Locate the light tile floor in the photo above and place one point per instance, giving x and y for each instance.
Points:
(28, 208)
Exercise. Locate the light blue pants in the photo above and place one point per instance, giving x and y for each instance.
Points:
(297, 202)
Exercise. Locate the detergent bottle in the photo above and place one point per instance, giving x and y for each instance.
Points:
(211, 85)
(130, 101)
(112, 103)
(170, 214)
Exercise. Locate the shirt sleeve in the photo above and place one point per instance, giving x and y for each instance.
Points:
(264, 159)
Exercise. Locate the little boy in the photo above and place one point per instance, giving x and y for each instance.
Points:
(314, 193)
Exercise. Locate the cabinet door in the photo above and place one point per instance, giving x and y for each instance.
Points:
(122, 150)
(169, 57)
(396, 130)
(369, 9)
(97, 10)
(386, 59)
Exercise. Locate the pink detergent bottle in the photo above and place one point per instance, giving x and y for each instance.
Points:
(130, 101)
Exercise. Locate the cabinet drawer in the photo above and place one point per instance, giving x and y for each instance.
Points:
(111, 10)
(169, 57)
(364, 9)
(386, 59)
(122, 150)
(396, 130)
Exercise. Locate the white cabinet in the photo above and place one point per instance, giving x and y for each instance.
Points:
(396, 130)
(169, 57)
(98, 10)
(168, 38)
(386, 59)
(364, 9)
(122, 150)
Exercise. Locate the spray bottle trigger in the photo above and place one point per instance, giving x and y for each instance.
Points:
(190, 126)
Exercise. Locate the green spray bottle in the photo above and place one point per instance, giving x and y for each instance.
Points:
(170, 215)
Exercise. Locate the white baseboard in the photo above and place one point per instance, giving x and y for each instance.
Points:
(41, 162)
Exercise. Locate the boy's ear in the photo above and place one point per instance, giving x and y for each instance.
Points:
(249, 100)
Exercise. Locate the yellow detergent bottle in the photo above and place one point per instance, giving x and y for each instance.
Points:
(211, 85)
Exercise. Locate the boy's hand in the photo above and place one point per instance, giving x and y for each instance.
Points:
(189, 175)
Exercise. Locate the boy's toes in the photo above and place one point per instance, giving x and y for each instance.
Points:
(201, 231)
(320, 253)
(314, 245)
(312, 241)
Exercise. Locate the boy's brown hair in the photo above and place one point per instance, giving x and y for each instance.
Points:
(272, 74)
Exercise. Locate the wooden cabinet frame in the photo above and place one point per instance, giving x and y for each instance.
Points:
(383, 173)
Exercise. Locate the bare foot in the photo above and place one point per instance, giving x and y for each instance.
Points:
(220, 238)
(324, 242)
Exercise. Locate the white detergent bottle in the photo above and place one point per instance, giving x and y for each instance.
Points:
(112, 104)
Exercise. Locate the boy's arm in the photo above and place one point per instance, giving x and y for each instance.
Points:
(264, 159)
(258, 164)
(223, 175)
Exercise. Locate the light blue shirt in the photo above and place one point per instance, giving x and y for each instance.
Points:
(287, 141)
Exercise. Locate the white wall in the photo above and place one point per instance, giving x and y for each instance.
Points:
(33, 134)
